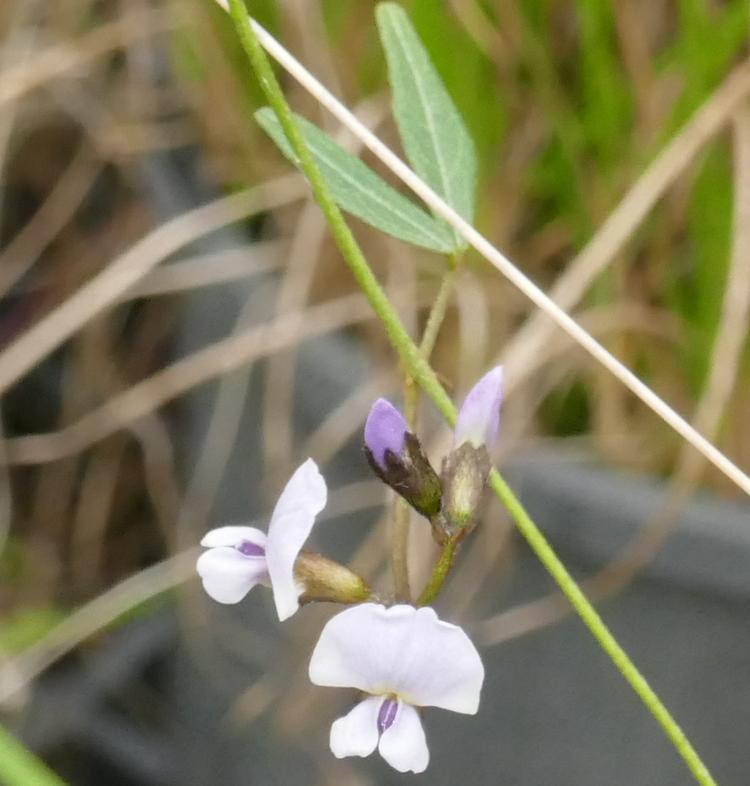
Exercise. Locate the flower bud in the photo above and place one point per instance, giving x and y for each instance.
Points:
(385, 432)
(466, 468)
(479, 416)
(464, 475)
(397, 458)
(322, 579)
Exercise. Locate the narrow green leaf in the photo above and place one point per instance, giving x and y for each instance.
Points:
(359, 191)
(435, 139)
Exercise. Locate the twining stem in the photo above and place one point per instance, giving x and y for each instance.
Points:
(422, 372)
(401, 510)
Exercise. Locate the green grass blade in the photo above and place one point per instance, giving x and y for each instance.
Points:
(359, 191)
(434, 136)
(20, 767)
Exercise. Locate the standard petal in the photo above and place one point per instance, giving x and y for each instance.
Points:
(402, 650)
(228, 575)
(293, 517)
(440, 666)
(231, 536)
(403, 745)
(356, 734)
(356, 648)
(479, 415)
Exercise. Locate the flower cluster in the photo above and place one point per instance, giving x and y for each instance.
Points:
(450, 501)
(401, 657)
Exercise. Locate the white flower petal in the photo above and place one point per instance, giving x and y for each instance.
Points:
(356, 648)
(293, 517)
(403, 745)
(356, 734)
(402, 650)
(228, 575)
(441, 667)
(231, 536)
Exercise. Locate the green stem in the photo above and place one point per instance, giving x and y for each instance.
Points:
(422, 372)
(598, 628)
(400, 520)
(20, 767)
(438, 310)
(439, 573)
(401, 511)
(365, 278)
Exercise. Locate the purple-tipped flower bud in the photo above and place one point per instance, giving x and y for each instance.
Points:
(466, 467)
(385, 430)
(479, 416)
(396, 457)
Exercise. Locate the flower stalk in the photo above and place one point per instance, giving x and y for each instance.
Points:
(422, 372)
(401, 517)
(439, 572)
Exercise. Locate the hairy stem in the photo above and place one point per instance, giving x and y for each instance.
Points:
(422, 372)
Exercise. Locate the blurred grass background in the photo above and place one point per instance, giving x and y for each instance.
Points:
(569, 103)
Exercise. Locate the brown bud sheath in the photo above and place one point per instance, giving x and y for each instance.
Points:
(326, 580)
(464, 475)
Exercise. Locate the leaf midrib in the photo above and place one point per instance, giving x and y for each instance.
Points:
(428, 114)
(378, 198)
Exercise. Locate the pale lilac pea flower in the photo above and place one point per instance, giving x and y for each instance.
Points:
(404, 658)
(238, 557)
(385, 430)
(479, 416)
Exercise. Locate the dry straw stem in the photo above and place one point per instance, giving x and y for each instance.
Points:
(68, 58)
(18, 49)
(126, 409)
(726, 357)
(128, 269)
(305, 252)
(209, 270)
(58, 208)
(411, 356)
(498, 260)
(213, 361)
(729, 342)
(614, 233)
(221, 434)
(340, 423)
(92, 617)
(96, 615)
(294, 290)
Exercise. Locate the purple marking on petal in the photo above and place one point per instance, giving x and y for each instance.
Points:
(479, 415)
(385, 430)
(250, 549)
(387, 714)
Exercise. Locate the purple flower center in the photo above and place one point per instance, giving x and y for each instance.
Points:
(387, 714)
(250, 549)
